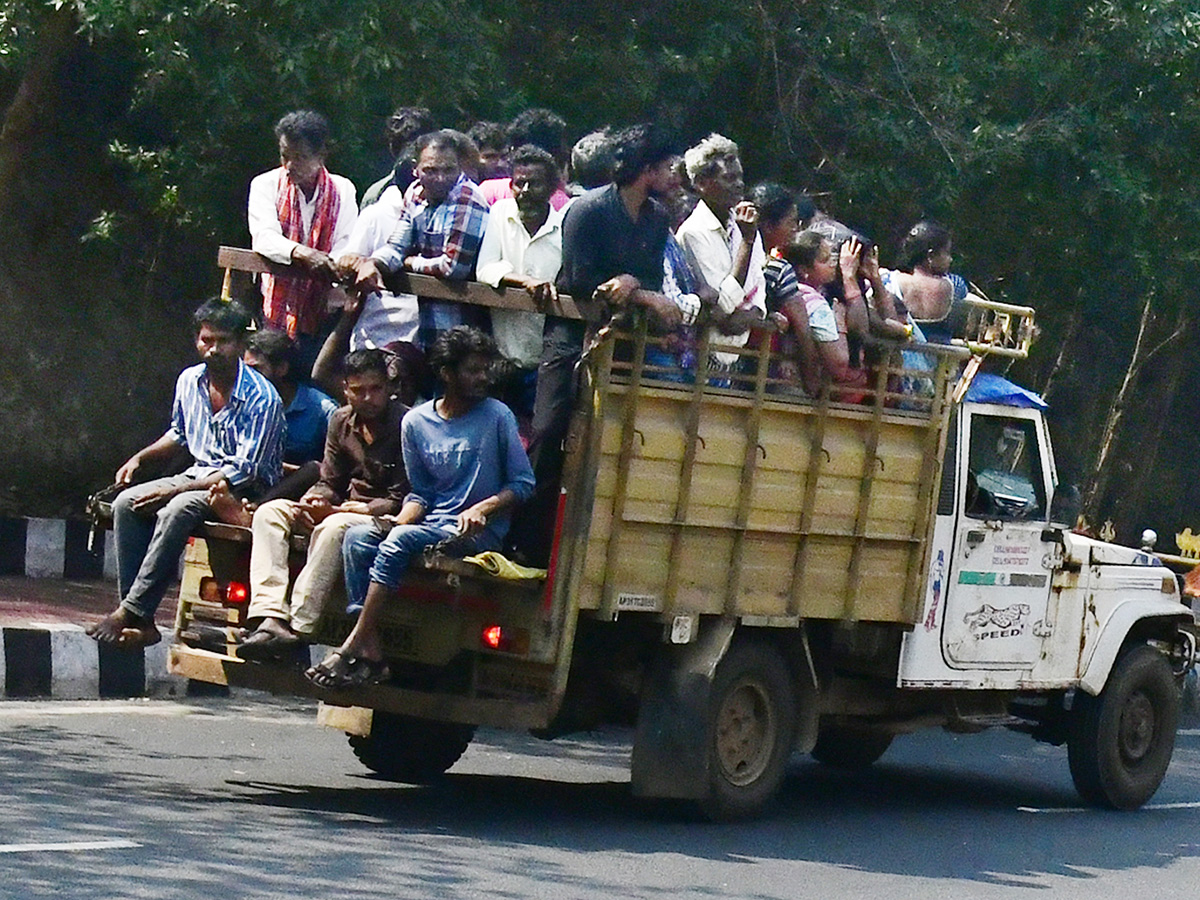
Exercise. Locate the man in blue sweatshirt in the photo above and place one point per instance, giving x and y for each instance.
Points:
(467, 469)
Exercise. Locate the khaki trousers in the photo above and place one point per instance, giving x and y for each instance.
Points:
(269, 573)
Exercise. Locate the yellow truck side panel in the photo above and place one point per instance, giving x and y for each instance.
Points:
(755, 557)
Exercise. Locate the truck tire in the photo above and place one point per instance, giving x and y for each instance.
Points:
(751, 728)
(1120, 742)
(849, 747)
(414, 751)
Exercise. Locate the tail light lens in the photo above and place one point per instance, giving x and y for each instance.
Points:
(232, 594)
(504, 640)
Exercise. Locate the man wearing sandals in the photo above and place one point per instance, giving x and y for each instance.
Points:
(467, 469)
(230, 419)
(362, 476)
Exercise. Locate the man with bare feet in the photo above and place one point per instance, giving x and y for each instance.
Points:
(307, 412)
(362, 476)
(231, 421)
(467, 468)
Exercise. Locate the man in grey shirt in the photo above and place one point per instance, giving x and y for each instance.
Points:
(467, 469)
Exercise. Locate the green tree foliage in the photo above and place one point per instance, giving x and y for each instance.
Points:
(1054, 136)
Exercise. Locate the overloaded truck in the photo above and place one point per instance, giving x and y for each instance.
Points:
(742, 572)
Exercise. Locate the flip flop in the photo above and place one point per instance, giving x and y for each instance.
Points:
(339, 671)
(266, 646)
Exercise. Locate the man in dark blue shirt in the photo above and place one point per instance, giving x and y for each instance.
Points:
(613, 240)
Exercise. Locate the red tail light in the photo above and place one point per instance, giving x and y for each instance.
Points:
(236, 593)
(506, 640)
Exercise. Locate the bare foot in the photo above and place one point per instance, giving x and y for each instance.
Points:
(123, 629)
(226, 507)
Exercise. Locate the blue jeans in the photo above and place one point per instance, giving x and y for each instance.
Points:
(657, 356)
(149, 541)
(370, 555)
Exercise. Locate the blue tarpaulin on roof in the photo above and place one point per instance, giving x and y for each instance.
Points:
(988, 388)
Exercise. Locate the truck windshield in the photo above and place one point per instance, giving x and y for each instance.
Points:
(1004, 479)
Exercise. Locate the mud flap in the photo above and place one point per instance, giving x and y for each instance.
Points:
(670, 746)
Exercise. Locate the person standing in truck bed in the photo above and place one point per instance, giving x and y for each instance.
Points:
(301, 214)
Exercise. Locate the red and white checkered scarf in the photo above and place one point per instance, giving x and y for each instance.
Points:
(297, 305)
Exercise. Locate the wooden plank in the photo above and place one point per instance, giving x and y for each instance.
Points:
(688, 465)
(816, 451)
(624, 461)
(472, 292)
(215, 668)
(865, 484)
(749, 466)
(935, 449)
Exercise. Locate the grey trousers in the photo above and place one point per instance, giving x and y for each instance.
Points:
(150, 541)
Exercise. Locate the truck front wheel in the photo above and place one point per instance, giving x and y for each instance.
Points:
(414, 751)
(1120, 741)
(751, 728)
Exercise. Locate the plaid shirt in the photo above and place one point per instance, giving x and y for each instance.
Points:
(445, 239)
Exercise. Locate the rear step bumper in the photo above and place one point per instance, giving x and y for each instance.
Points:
(288, 679)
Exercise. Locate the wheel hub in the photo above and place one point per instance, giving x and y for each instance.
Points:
(745, 733)
(1136, 735)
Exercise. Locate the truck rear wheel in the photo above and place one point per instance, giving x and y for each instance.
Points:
(1120, 742)
(751, 727)
(849, 747)
(414, 751)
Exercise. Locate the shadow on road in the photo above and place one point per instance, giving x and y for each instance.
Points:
(936, 807)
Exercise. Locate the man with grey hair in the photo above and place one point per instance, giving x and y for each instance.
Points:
(721, 240)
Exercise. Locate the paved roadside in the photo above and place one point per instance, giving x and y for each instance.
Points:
(44, 651)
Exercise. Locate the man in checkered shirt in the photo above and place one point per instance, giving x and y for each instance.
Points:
(439, 233)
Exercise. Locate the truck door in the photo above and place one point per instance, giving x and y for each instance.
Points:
(997, 603)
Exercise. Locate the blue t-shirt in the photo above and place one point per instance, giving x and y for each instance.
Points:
(453, 464)
(307, 423)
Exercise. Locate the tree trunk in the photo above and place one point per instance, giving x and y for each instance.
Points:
(34, 108)
(1094, 496)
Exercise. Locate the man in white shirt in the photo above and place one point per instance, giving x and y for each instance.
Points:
(302, 214)
(721, 240)
(522, 248)
(385, 317)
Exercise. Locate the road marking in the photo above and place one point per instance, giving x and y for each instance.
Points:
(1083, 809)
(161, 709)
(69, 847)
(24, 710)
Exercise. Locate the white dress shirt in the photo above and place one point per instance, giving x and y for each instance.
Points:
(385, 317)
(507, 249)
(266, 234)
(713, 246)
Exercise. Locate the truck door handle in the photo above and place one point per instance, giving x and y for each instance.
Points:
(974, 539)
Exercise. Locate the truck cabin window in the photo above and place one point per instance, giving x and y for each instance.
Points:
(1004, 476)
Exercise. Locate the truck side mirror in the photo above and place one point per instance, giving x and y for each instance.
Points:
(1066, 505)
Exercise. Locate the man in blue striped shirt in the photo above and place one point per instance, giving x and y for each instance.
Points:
(230, 419)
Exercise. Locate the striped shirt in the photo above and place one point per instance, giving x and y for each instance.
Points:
(244, 440)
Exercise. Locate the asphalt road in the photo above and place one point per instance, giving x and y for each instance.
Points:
(228, 799)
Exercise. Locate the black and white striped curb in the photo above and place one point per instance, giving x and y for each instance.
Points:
(54, 548)
(61, 662)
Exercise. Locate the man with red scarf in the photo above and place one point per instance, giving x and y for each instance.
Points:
(302, 214)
